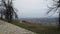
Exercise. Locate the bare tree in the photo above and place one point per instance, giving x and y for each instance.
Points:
(2, 10)
(55, 7)
(9, 9)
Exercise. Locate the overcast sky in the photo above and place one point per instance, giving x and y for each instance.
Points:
(32, 8)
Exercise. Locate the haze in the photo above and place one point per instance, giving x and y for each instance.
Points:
(32, 8)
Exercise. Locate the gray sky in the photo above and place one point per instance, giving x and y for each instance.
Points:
(32, 8)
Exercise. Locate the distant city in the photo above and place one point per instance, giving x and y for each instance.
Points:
(48, 21)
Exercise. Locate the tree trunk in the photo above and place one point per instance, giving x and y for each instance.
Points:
(1, 16)
(59, 21)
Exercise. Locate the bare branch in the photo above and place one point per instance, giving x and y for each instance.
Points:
(50, 9)
(4, 3)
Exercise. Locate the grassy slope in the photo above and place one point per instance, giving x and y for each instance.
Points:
(39, 29)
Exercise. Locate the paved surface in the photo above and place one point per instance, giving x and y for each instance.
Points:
(7, 28)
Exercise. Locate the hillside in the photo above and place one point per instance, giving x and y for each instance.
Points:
(7, 28)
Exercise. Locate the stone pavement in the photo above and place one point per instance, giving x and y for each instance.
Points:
(7, 28)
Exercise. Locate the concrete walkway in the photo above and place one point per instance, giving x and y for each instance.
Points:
(7, 28)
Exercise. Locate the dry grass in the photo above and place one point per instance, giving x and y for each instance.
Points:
(39, 29)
